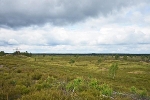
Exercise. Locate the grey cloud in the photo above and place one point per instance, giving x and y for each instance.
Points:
(10, 42)
(19, 13)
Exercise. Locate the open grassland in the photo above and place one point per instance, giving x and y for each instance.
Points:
(77, 77)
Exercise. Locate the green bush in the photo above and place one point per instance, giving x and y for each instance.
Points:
(75, 85)
(93, 83)
(105, 90)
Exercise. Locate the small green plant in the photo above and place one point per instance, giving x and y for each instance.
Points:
(106, 90)
(103, 88)
(113, 70)
(143, 93)
(71, 61)
(99, 61)
(12, 82)
(93, 83)
(74, 85)
(133, 89)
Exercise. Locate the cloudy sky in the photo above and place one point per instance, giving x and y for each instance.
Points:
(75, 26)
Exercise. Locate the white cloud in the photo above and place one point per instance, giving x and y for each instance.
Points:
(12, 42)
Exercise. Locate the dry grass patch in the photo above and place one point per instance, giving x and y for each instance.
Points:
(137, 72)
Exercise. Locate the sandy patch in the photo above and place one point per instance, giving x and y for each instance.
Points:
(1, 66)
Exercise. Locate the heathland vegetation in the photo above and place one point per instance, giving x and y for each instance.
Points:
(74, 77)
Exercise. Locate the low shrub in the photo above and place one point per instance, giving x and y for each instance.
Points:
(36, 76)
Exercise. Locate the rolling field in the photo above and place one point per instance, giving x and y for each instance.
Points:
(73, 77)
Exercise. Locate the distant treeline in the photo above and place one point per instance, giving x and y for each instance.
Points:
(92, 54)
(2, 53)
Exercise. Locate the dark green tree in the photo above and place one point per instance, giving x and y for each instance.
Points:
(2, 53)
(125, 57)
(26, 54)
(116, 56)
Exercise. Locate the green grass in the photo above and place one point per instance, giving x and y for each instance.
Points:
(73, 78)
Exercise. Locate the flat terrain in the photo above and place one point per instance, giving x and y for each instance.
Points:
(70, 77)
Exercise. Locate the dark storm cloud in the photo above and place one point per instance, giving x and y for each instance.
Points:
(18, 13)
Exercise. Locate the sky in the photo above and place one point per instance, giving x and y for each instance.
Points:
(75, 26)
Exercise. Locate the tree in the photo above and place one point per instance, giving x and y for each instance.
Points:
(112, 70)
(143, 58)
(16, 53)
(125, 57)
(26, 54)
(116, 56)
(2, 53)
